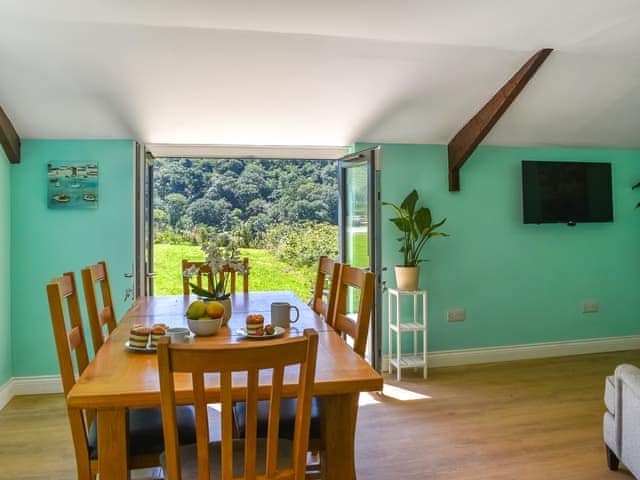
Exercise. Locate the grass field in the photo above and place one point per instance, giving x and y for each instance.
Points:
(266, 271)
(360, 257)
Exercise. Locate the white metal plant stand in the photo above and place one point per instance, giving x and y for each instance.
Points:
(415, 359)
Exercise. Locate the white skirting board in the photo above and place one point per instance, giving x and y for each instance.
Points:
(6, 393)
(29, 386)
(470, 356)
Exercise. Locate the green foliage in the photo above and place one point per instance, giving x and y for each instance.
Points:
(266, 271)
(172, 237)
(243, 194)
(198, 234)
(174, 206)
(416, 228)
(301, 244)
(211, 212)
(160, 219)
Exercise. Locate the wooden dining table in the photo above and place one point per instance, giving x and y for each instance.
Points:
(118, 379)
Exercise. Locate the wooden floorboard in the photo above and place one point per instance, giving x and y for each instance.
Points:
(532, 419)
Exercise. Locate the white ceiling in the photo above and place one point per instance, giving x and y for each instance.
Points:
(318, 73)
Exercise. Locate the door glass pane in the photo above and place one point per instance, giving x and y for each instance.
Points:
(356, 210)
(356, 228)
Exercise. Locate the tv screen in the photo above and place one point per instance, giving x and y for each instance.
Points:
(566, 192)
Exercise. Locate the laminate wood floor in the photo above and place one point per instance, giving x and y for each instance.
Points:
(532, 419)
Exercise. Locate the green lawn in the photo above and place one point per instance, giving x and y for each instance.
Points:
(266, 271)
(360, 252)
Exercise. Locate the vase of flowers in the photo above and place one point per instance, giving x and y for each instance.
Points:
(223, 258)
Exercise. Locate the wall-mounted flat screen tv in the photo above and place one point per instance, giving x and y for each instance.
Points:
(566, 192)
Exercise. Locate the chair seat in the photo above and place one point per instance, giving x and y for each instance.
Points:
(288, 407)
(145, 431)
(189, 458)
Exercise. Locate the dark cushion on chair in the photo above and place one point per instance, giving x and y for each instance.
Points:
(189, 458)
(288, 407)
(145, 431)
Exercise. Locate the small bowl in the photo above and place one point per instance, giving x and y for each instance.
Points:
(205, 328)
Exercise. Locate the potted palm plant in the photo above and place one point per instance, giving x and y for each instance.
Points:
(415, 225)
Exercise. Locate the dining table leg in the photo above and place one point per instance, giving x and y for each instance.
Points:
(339, 414)
(112, 444)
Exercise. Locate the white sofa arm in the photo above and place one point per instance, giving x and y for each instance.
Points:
(627, 417)
(630, 375)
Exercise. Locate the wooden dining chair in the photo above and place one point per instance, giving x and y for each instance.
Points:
(145, 424)
(354, 302)
(323, 301)
(351, 283)
(99, 316)
(203, 278)
(252, 457)
(355, 294)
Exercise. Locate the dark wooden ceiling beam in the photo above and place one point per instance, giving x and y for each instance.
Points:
(9, 138)
(469, 137)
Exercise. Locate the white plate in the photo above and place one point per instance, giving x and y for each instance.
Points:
(277, 332)
(147, 349)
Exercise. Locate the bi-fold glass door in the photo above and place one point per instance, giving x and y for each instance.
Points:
(359, 216)
(143, 273)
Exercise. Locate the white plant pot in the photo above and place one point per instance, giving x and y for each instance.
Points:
(227, 310)
(407, 278)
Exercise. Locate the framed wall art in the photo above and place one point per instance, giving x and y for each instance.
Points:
(72, 186)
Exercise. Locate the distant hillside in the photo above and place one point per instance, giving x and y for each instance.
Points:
(250, 194)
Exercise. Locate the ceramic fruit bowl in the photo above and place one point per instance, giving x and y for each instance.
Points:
(205, 327)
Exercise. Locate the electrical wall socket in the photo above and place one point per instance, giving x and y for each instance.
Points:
(590, 306)
(456, 315)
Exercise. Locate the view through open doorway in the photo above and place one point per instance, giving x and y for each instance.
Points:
(282, 213)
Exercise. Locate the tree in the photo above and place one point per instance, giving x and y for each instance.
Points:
(211, 213)
(160, 220)
(175, 205)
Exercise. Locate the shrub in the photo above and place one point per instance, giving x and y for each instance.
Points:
(171, 237)
(301, 244)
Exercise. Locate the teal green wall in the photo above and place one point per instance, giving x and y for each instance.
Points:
(519, 283)
(45, 243)
(5, 290)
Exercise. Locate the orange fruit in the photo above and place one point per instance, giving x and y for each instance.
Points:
(215, 309)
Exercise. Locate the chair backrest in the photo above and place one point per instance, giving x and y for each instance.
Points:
(248, 358)
(98, 316)
(70, 341)
(204, 271)
(355, 323)
(324, 299)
